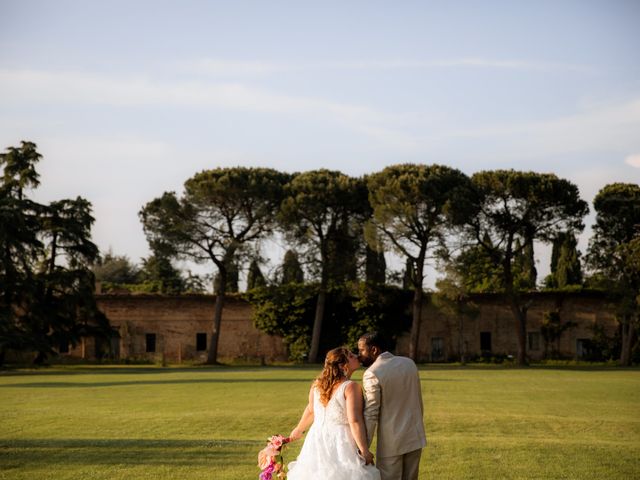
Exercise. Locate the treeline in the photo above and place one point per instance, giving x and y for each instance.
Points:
(156, 274)
(481, 229)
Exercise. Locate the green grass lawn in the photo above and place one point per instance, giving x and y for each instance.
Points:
(209, 423)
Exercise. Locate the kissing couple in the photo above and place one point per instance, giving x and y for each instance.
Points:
(343, 423)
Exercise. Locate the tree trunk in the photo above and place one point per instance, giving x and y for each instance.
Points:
(632, 341)
(624, 357)
(212, 356)
(415, 324)
(320, 304)
(41, 357)
(418, 280)
(628, 337)
(9, 276)
(461, 340)
(52, 260)
(520, 315)
(317, 325)
(519, 312)
(522, 338)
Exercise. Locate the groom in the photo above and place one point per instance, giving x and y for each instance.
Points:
(393, 403)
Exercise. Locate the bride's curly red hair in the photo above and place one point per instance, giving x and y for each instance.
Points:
(332, 373)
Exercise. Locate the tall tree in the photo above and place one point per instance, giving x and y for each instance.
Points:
(46, 287)
(375, 266)
(342, 251)
(524, 266)
(475, 270)
(453, 297)
(68, 280)
(255, 278)
(158, 271)
(19, 168)
(614, 251)
(222, 211)
(512, 210)
(318, 209)
(20, 246)
(408, 275)
(411, 210)
(232, 278)
(291, 269)
(115, 269)
(373, 244)
(566, 269)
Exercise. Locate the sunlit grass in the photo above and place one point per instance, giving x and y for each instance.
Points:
(209, 423)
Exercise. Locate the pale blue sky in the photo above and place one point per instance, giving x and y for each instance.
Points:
(128, 99)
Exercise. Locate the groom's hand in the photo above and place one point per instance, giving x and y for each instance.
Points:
(368, 458)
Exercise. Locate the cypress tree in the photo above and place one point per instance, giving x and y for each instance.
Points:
(255, 278)
(291, 269)
(568, 270)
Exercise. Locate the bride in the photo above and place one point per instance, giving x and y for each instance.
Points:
(336, 444)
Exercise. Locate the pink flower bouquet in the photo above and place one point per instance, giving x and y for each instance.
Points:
(270, 459)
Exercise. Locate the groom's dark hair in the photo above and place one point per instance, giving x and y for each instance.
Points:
(376, 339)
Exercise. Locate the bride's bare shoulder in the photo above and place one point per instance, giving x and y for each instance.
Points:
(352, 388)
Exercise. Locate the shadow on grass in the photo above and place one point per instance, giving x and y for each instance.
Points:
(124, 451)
(138, 383)
(55, 371)
(510, 367)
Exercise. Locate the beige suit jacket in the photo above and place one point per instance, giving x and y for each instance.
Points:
(393, 403)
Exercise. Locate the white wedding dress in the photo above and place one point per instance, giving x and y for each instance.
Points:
(329, 450)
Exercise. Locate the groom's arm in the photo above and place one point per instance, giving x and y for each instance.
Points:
(371, 387)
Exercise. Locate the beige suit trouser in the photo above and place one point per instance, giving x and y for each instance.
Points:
(400, 467)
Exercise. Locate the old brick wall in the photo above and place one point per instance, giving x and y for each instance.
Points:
(495, 318)
(176, 321)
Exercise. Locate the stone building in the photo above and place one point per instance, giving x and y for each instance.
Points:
(493, 331)
(177, 329)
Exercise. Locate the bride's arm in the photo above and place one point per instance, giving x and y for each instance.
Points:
(353, 394)
(305, 420)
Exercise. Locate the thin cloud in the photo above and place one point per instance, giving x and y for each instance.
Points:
(633, 160)
(219, 67)
(597, 128)
(233, 68)
(612, 127)
(40, 88)
(460, 63)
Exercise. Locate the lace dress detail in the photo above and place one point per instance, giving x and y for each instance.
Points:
(329, 450)
(335, 413)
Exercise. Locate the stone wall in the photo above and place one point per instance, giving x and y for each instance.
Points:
(175, 322)
(497, 322)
